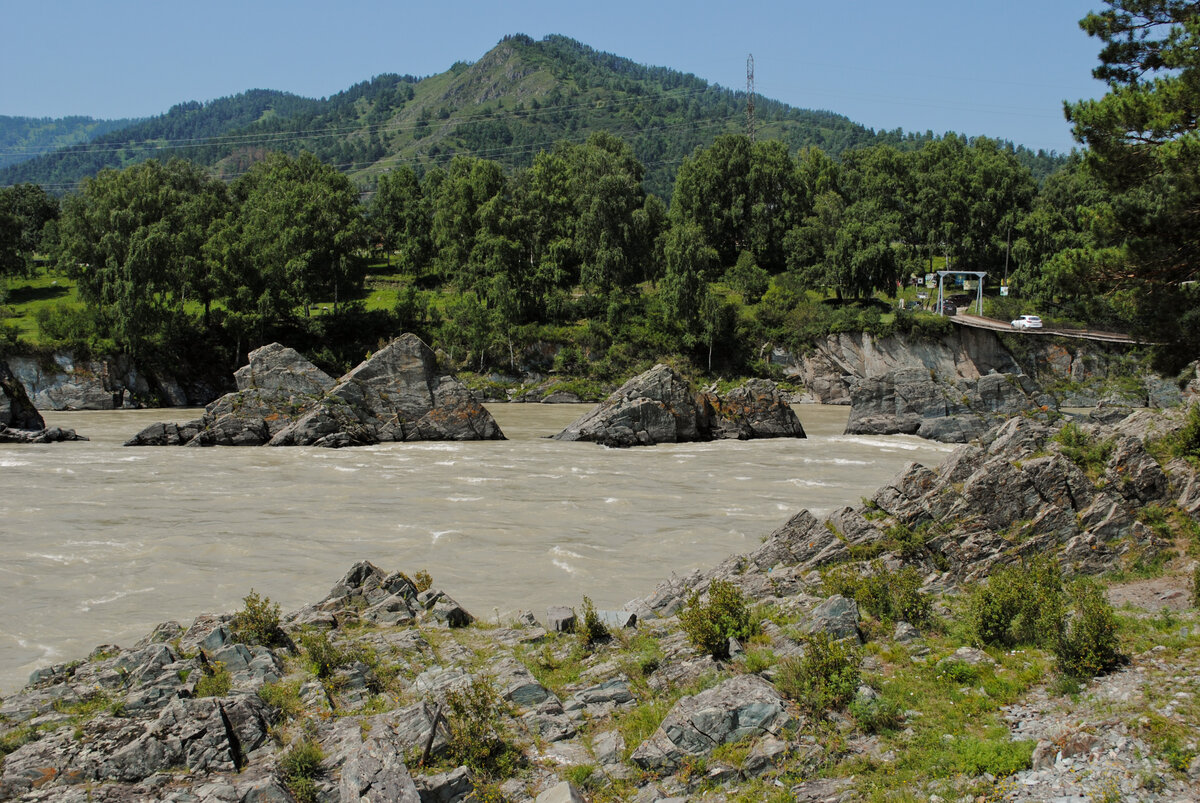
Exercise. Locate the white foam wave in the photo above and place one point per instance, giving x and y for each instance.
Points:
(838, 461)
(11, 463)
(87, 604)
(115, 544)
(566, 567)
(803, 483)
(436, 535)
(463, 498)
(65, 560)
(564, 552)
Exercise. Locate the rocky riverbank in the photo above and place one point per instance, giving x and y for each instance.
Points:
(840, 660)
(1074, 373)
(20, 422)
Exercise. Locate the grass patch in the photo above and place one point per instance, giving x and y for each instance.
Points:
(216, 681)
(1084, 450)
(955, 730)
(301, 767)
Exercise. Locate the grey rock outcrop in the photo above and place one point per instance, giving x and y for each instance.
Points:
(743, 707)
(284, 400)
(913, 401)
(20, 422)
(659, 407)
(272, 389)
(396, 395)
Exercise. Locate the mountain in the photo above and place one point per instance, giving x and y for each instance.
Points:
(25, 138)
(520, 98)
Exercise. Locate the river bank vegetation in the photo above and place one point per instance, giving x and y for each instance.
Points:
(568, 263)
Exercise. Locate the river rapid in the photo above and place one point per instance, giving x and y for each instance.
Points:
(101, 543)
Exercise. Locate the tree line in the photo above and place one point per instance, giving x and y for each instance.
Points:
(572, 247)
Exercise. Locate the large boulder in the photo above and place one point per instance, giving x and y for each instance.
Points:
(272, 389)
(284, 400)
(396, 395)
(742, 708)
(659, 407)
(754, 410)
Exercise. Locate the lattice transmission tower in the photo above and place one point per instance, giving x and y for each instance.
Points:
(750, 122)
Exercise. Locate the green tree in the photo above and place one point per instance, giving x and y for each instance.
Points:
(689, 262)
(743, 196)
(294, 237)
(400, 217)
(133, 239)
(468, 186)
(26, 211)
(1144, 143)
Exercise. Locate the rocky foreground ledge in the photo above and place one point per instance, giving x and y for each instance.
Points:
(20, 422)
(854, 669)
(283, 399)
(658, 407)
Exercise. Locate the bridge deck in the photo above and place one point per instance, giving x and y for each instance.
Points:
(979, 322)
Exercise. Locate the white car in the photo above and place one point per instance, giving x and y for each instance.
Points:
(1027, 322)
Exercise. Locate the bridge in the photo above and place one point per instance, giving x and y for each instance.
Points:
(980, 322)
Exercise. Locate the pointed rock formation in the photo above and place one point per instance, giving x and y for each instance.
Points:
(285, 400)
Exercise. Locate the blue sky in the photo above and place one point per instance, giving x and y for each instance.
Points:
(999, 69)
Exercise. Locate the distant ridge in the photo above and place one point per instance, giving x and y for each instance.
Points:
(26, 138)
(521, 97)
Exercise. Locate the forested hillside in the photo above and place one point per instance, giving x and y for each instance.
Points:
(26, 138)
(519, 99)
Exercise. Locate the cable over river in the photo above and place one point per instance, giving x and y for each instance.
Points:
(101, 543)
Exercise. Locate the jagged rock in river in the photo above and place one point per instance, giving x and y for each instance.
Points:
(911, 401)
(284, 400)
(396, 395)
(272, 388)
(658, 407)
(20, 422)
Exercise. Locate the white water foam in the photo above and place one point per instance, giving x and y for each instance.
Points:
(87, 604)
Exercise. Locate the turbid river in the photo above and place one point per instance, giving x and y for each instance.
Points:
(100, 543)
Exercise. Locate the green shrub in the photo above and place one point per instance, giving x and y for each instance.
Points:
(10, 740)
(972, 757)
(422, 581)
(216, 681)
(300, 767)
(594, 630)
(759, 660)
(476, 733)
(1019, 604)
(258, 622)
(283, 697)
(888, 596)
(709, 626)
(1087, 643)
(824, 678)
(877, 715)
(325, 656)
(1084, 450)
(1196, 586)
(960, 673)
(1186, 442)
